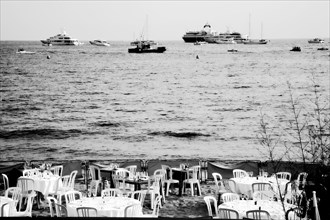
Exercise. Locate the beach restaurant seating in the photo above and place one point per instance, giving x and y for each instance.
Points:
(57, 170)
(139, 195)
(225, 213)
(111, 192)
(56, 209)
(86, 212)
(154, 188)
(261, 187)
(5, 181)
(217, 177)
(209, 200)
(192, 180)
(238, 173)
(283, 175)
(258, 215)
(155, 209)
(228, 197)
(71, 196)
(169, 181)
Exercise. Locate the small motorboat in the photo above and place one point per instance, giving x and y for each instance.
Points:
(296, 49)
(316, 41)
(23, 51)
(232, 50)
(322, 48)
(99, 43)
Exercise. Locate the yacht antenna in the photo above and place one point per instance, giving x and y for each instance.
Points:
(249, 25)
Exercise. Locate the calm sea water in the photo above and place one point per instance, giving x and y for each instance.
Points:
(90, 102)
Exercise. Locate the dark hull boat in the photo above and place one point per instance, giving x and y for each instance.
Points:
(147, 50)
(146, 46)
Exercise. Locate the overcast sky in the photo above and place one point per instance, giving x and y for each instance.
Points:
(167, 20)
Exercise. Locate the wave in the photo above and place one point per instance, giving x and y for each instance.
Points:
(178, 134)
(106, 124)
(40, 133)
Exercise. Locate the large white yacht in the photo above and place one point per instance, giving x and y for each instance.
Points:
(62, 39)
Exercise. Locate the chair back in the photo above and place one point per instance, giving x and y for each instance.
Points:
(157, 205)
(95, 172)
(57, 170)
(5, 181)
(193, 173)
(72, 179)
(284, 175)
(208, 200)
(94, 187)
(132, 169)
(72, 195)
(294, 214)
(122, 172)
(261, 187)
(229, 185)
(228, 197)
(225, 213)
(217, 177)
(15, 193)
(238, 173)
(131, 210)
(30, 172)
(119, 182)
(61, 210)
(86, 212)
(5, 209)
(52, 189)
(111, 192)
(139, 195)
(51, 203)
(26, 184)
(258, 215)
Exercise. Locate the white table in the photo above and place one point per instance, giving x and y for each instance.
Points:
(244, 185)
(45, 185)
(274, 208)
(107, 206)
(7, 212)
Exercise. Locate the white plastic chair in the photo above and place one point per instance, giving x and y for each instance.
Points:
(217, 178)
(14, 193)
(301, 180)
(169, 181)
(28, 209)
(26, 185)
(228, 197)
(284, 175)
(156, 208)
(261, 187)
(72, 196)
(30, 172)
(94, 187)
(225, 213)
(132, 210)
(238, 173)
(162, 174)
(5, 181)
(60, 211)
(111, 192)
(132, 169)
(209, 200)
(139, 195)
(57, 170)
(154, 188)
(258, 215)
(86, 212)
(192, 180)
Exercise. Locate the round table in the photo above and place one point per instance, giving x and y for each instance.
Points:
(106, 206)
(274, 208)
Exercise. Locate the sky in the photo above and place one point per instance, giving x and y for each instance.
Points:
(162, 20)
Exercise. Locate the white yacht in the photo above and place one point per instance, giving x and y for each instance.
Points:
(99, 43)
(62, 39)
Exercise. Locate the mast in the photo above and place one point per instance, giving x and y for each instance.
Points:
(261, 31)
(249, 25)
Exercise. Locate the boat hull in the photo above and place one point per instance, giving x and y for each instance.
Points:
(147, 50)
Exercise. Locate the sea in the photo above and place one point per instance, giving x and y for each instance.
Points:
(192, 101)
